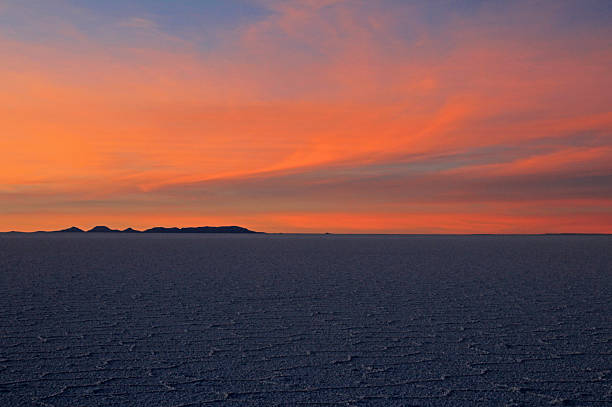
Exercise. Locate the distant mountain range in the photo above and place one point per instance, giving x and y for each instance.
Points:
(201, 229)
(238, 229)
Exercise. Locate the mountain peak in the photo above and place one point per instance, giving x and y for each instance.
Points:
(101, 229)
(73, 229)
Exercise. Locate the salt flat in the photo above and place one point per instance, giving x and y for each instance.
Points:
(227, 320)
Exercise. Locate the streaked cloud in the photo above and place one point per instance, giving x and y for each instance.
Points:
(139, 22)
(310, 115)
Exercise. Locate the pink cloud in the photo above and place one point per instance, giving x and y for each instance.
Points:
(316, 86)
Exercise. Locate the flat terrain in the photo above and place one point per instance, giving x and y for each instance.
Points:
(227, 320)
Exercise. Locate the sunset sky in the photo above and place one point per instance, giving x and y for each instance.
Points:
(386, 116)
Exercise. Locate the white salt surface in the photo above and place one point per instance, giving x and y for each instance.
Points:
(228, 320)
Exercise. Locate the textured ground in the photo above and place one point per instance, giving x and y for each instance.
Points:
(228, 320)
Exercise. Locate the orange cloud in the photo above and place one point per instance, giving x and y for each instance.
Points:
(356, 94)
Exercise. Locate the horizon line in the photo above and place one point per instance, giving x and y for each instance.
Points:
(233, 229)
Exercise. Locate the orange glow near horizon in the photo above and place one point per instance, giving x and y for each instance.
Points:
(318, 116)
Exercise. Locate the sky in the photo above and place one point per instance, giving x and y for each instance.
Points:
(345, 116)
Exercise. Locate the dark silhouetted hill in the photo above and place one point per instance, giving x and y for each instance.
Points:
(201, 229)
(73, 229)
(102, 229)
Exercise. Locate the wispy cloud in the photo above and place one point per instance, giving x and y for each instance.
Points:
(306, 107)
(139, 22)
